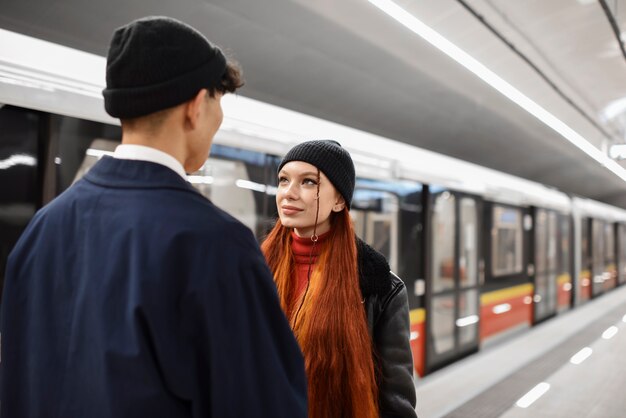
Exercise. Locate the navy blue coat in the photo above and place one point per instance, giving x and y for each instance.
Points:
(132, 295)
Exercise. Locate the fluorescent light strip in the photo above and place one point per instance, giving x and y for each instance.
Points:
(534, 394)
(495, 81)
(581, 356)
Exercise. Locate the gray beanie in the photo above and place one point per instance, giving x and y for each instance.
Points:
(333, 160)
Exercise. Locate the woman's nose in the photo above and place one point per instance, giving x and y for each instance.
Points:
(290, 191)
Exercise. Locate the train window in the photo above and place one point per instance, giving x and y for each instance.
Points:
(552, 240)
(75, 139)
(598, 250)
(261, 181)
(609, 245)
(564, 246)
(19, 185)
(545, 263)
(227, 185)
(506, 250)
(375, 216)
(584, 282)
(622, 253)
(443, 323)
(442, 255)
(232, 185)
(378, 208)
(550, 298)
(468, 309)
(610, 270)
(541, 220)
(96, 150)
(468, 258)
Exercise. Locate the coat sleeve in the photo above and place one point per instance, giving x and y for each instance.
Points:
(397, 389)
(249, 363)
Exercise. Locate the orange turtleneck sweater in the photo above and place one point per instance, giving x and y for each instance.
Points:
(301, 247)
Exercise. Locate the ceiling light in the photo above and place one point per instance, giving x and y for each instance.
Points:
(480, 70)
(613, 109)
(618, 151)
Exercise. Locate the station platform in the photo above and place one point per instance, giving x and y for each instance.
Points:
(573, 365)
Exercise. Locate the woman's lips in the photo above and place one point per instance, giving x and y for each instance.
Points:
(290, 210)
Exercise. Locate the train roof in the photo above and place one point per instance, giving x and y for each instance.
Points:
(379, 157)
(40, 75)
(594, 209)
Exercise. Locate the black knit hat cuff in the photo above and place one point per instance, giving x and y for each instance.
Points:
(133, 102)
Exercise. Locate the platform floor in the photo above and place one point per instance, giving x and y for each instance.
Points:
(490, 383)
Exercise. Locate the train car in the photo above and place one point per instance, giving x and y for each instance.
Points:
(600, 259)
(483, 254)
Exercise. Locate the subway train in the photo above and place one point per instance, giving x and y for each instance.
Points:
(484, 254)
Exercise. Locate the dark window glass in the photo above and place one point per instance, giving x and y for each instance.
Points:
(442, 242)
(19, 185)
(75, 137)
(506, 241)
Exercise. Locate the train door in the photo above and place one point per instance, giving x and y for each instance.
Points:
(597, 259)
(545, 256)
(389, 216)
(583, 284)
(621, 252)
(564, 252)
(452, 297)
(610, 269)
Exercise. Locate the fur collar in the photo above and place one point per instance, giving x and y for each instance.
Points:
(374, 277)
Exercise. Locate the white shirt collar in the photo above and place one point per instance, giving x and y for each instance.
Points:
(143, 153)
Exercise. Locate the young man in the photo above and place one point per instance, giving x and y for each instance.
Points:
(131, 295)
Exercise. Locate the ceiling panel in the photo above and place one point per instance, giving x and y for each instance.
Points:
(347, 62)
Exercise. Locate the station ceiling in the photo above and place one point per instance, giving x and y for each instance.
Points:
(348, 62)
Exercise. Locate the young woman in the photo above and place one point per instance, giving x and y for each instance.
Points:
(349, 313)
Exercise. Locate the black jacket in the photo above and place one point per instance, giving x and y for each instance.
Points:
(387, 309)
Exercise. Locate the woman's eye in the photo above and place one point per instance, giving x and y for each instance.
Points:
(282, 180)
(310, 182)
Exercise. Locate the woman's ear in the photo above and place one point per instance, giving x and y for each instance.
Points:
(340, 203)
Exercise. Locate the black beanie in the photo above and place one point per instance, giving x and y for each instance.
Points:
(158, 62)
(331, 159)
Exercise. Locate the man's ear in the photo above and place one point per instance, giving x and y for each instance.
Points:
(193, 109)
(340, 203)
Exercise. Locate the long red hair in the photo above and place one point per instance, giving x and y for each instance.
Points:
(329, 323)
